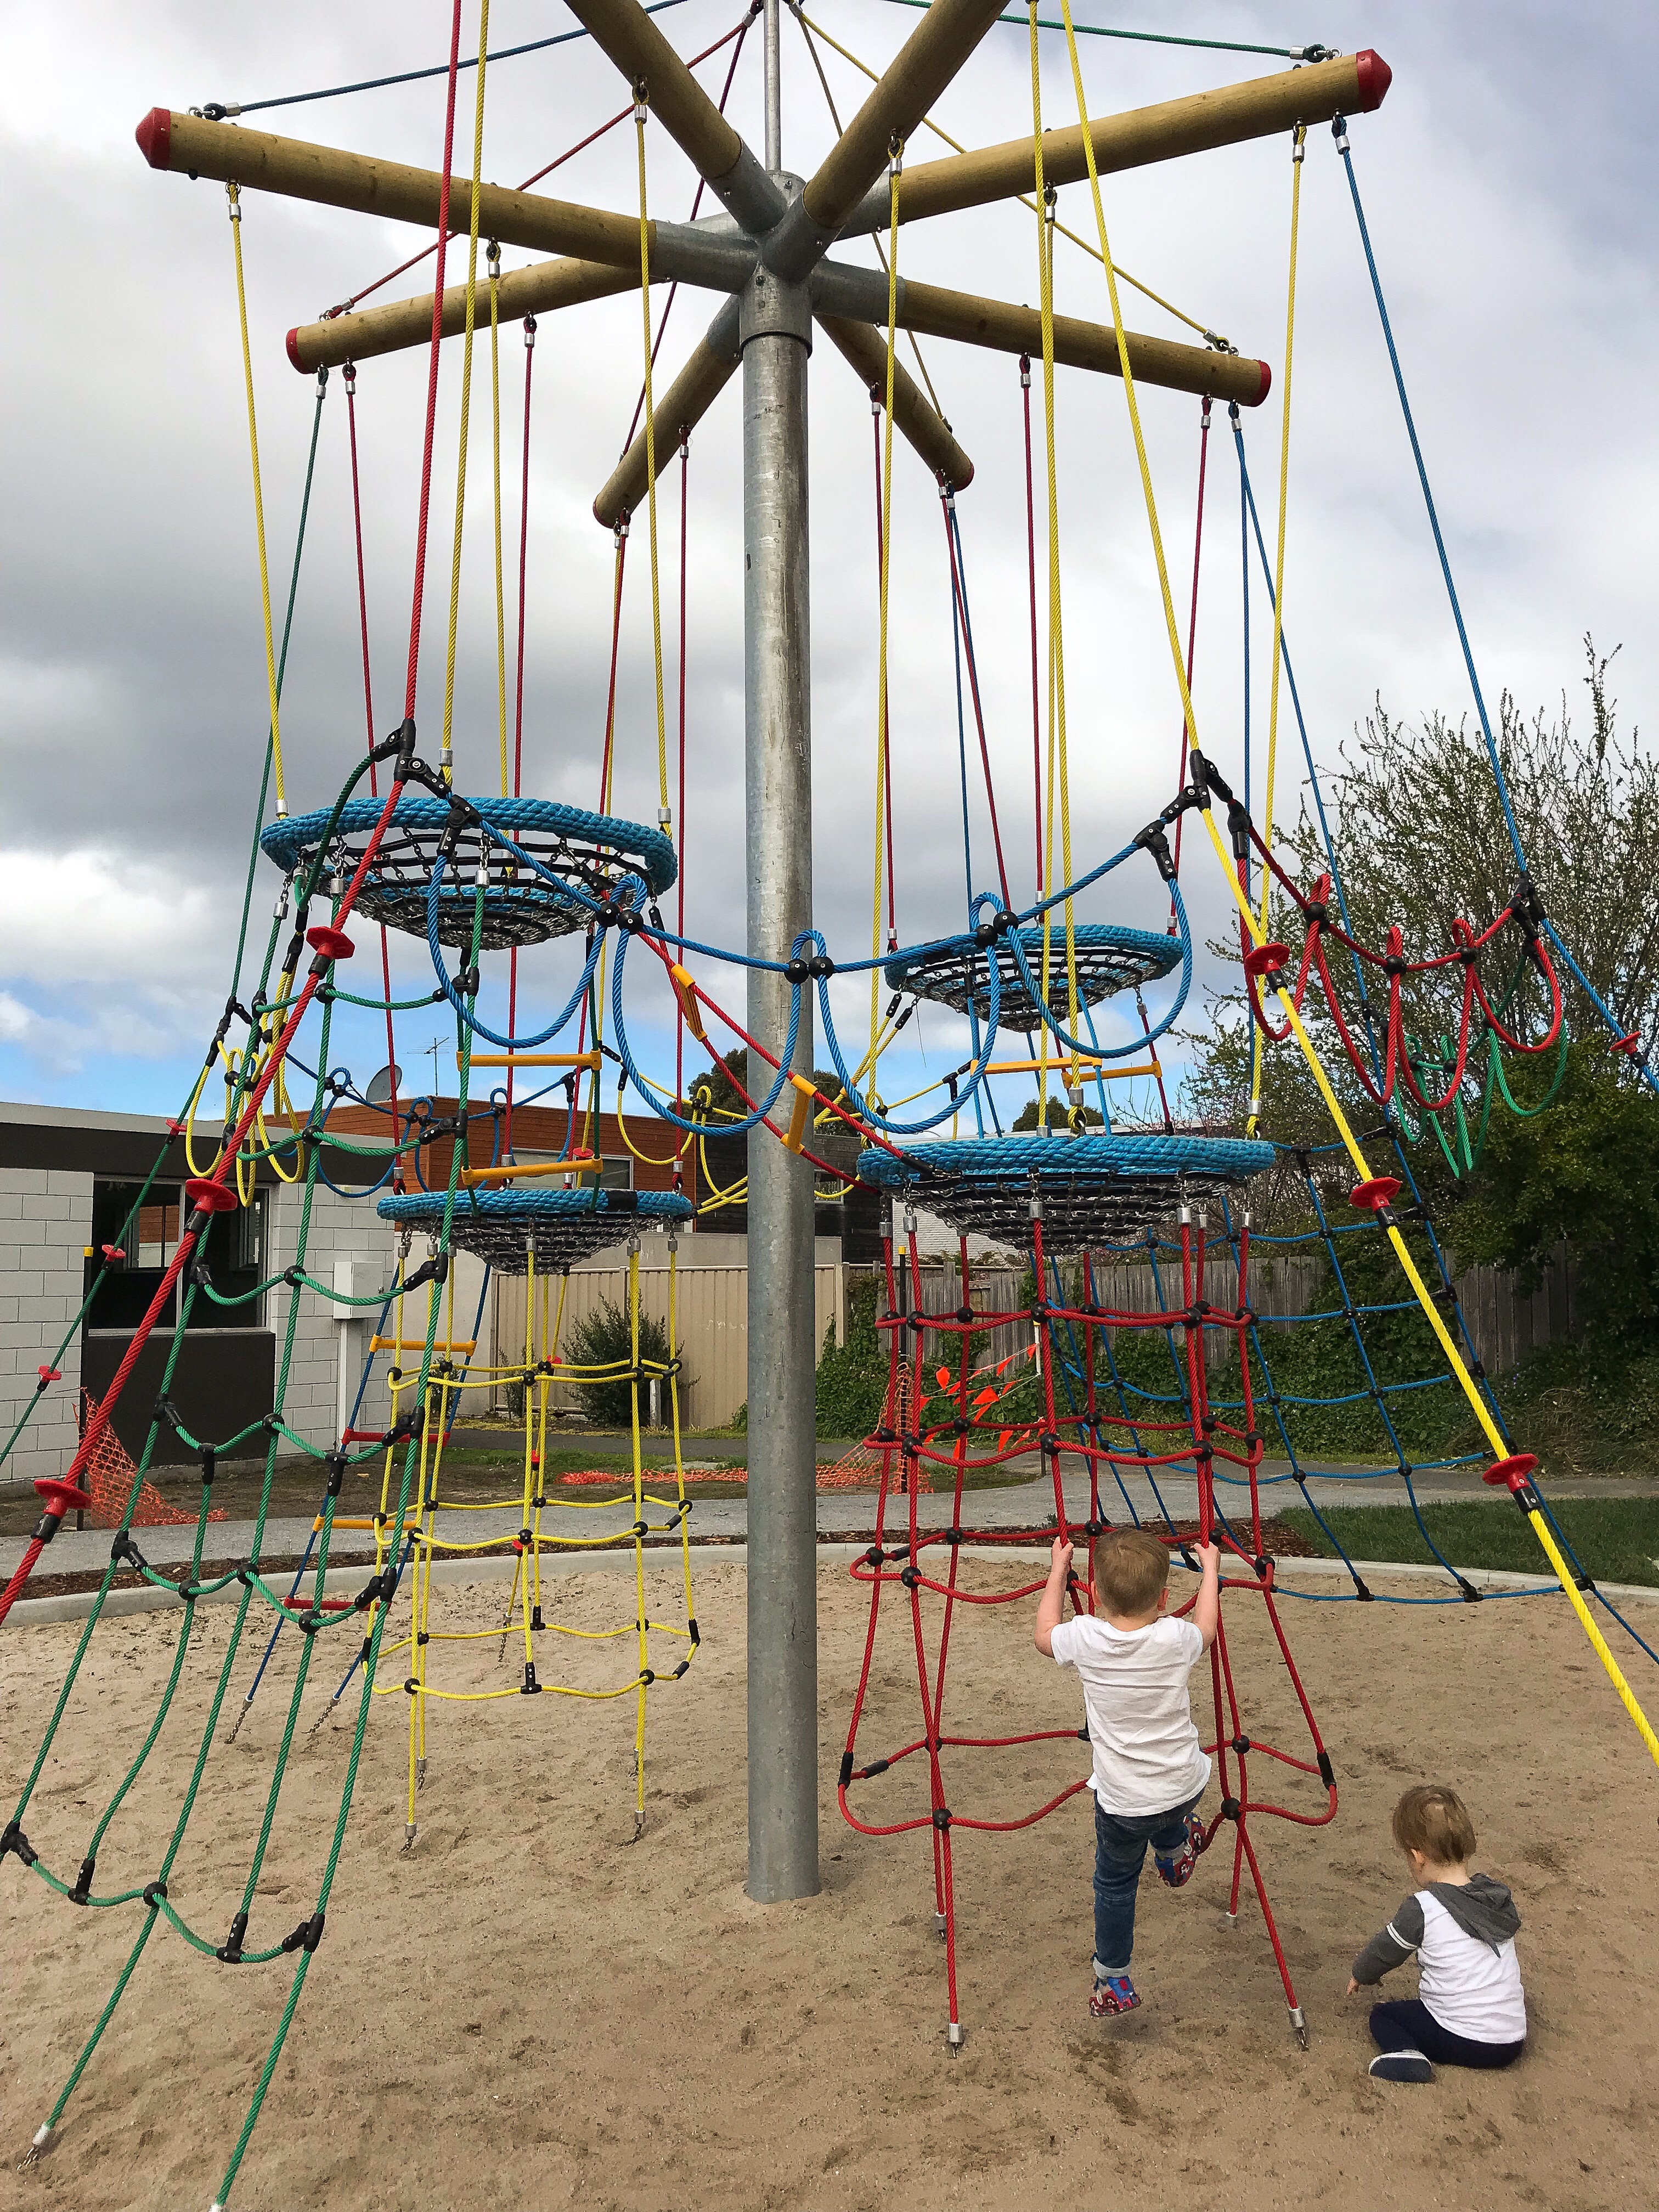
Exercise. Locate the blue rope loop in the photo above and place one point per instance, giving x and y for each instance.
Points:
(549, 866)
(1092, 1189)
(564, 1226)
(1110, 957)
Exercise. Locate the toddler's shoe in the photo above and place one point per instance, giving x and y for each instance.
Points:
(1400, 2066)
(1177, 1872)
(1115, 1994)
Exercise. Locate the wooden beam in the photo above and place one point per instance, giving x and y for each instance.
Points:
(623, 30)
(918, 73)
(926, 430)
(330, 177)
(712, 364)
(838, 288)
(1352, 84)
(536, 290)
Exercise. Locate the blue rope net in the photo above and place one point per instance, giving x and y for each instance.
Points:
(567, 862)
(560, 1227)
(1108, 958)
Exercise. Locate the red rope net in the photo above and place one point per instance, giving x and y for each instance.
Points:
(916, 1565)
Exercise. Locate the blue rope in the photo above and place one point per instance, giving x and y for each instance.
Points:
(1341, 136)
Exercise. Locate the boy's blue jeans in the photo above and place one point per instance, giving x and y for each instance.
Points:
(1121, 1841)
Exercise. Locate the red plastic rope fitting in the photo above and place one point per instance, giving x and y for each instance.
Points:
(1372, 1196)
(1512, 1474)
(208, 1197)
(61, 1498)
(1630, 1045)
(1267, 959)
(49, 1375)
(331, 944)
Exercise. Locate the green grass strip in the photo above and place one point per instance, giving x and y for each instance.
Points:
(1616, 1539)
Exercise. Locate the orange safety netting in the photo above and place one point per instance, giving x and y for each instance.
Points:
(108, 1480)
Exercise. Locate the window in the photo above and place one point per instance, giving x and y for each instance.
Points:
(233, 1249)
(616, 1174)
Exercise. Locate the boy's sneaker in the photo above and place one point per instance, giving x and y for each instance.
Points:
(1115, 1994)
(1400, 2066)
(1177, 1872)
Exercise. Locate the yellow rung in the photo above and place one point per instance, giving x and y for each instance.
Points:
(686, 991)
(805, 1099)
(532, 1059)
(1073, 1071)
(418, 1344)
(472, 1177)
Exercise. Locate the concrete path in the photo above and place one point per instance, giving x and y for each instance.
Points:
(845, 1513)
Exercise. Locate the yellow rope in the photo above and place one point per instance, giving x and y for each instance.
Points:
(494, 259)
(1025, 201)
(664, 815)
(1059, 778)
(447, 757)
(1419, 1289)
(895, 164)
(1297, 149)
(233, 195)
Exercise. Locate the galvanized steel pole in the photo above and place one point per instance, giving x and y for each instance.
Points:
(782, 1559)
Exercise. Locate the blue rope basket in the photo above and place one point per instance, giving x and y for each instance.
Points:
(1109, 959)
(593, 852)
(1092, 1189)
(501, 1226)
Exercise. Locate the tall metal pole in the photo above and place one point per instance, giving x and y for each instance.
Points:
(782, 1552)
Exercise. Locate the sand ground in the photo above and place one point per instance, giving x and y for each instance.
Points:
(530, 2010)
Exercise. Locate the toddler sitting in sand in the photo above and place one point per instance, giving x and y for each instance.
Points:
(1150, 1769)
(1470, 2011)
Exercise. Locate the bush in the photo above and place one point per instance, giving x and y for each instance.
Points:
(604, 1339)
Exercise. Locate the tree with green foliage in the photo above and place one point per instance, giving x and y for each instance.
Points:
(604, 1338)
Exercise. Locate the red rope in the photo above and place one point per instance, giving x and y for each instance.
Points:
(1205, 1439)
(368, 720)
(680, 880)
(959, 598)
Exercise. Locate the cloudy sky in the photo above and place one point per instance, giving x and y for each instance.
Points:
(1510, 186)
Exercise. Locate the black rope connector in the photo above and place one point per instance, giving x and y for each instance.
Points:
(846, 1775)
(941, 1818)
(153, 1892)
(910, 1578)
(83, 1889)
(12, 1839)
(336, 1468)
(230, 1952)
(797, 970)
(1326, 1773)
(307, 1936)
(1231, 1808)
(821, 967)
(530, 1687)
(382, 1587)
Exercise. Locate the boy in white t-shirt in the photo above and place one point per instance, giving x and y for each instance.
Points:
(1470, 2009)
(1150, 1769)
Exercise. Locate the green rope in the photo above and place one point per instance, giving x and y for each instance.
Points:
(1314, 53)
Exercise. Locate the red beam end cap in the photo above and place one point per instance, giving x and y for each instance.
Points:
(1372, 1196)
(61, 1498)
(1264, 960)
(154, 137)
(1513, 1472)
(293, 345)
(332, 943)
(1375, 77)
(208, 1197)
(1267, 382)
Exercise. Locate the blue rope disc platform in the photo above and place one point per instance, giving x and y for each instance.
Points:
(1094, 1189)
(1108, 958)
(594, 851)
(564, 1226)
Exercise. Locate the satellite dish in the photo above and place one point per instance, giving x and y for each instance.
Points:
(381, 1086)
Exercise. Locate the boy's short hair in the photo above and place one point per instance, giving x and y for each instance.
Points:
(1435, 1821)
(1131, 1567)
